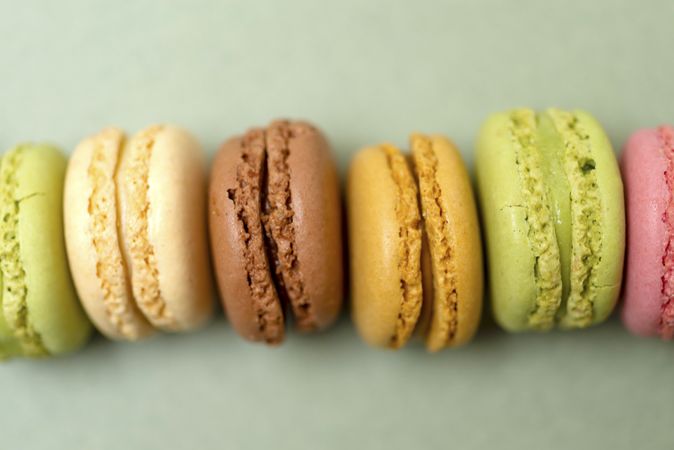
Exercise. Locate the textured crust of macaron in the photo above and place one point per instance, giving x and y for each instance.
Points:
(177, 228)
(551, 148)
(666, 323)
(133, 184)
(385, 251)
(316, 206)
(241, 265)
(540, 218)
(511, 259)
(610, 255)
(51, 304)
(646, 201)
(585, 206)
(281, 224)
(92, 238)
(409, 245)
(441, 244)
(459, 215)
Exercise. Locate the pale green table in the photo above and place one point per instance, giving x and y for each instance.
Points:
(365, 71)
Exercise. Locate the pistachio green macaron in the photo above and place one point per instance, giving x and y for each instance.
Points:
(551, 200)
(40, 314)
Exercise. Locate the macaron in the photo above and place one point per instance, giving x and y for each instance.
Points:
(551, 201)
(40, 314)
(648, 173)
(275, 222)
(136, 233)
(414, 240)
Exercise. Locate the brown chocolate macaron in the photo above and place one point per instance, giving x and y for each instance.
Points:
(275, 223)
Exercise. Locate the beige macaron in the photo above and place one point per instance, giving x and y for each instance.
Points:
(135, 226)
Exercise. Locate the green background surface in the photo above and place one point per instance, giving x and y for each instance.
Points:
(365, 71)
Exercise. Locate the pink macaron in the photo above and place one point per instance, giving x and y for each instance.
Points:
(648, 174)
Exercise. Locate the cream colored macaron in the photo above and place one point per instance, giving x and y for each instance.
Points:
(135, 227)
(416, 258)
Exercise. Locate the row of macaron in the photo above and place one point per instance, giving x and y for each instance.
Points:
(127, 233)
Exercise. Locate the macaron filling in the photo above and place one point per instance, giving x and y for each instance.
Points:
(111, 269)
(666, 326)
(278, 220)
(247, 197)
(143, 261)
(586, 239)
(409, 246)
(444, 312)
(539, 218)
(14, 287)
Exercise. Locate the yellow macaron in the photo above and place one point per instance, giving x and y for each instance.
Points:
(416, 257)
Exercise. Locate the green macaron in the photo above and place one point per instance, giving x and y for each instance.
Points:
(39, 314)
(551, 199)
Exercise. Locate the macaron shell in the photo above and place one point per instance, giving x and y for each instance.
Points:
(52, 305)
(512, 286)
(460, 213)
(315, 199)
(229, 250)
(374, 242)
(175, 228)
(646, 193)
(609, 185)
(99, 276)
